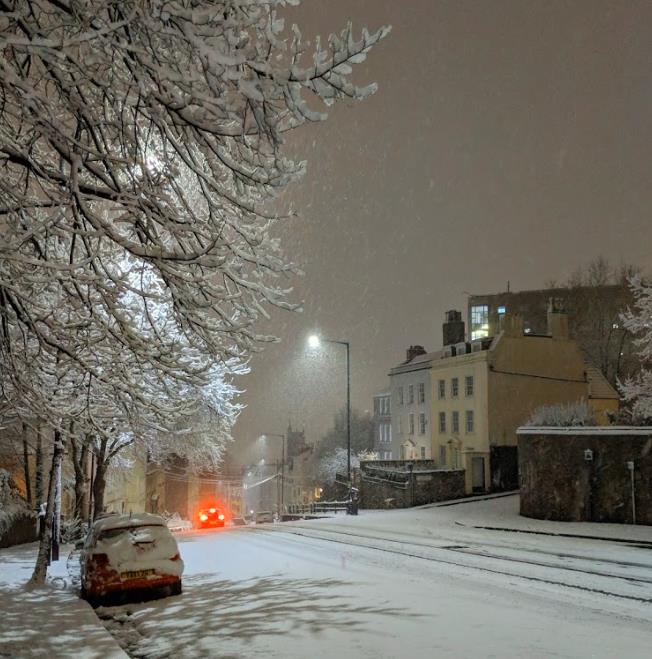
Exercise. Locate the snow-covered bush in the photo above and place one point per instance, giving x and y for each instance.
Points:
(561, 415)
(73, 529)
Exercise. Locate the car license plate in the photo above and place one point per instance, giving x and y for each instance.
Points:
(136, 574)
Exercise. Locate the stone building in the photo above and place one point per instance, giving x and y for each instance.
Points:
(382, 425)
(461, 406)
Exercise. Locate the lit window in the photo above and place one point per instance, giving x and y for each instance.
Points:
(501, 310)
(469, 421)
(455, 387)
(442, 422)
(455, 422)
(479, 321)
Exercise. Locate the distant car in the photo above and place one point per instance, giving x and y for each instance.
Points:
(129, 556)
(211, 517)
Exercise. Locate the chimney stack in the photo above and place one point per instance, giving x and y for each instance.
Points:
(557, 320)
(453, 328)
(414, 351)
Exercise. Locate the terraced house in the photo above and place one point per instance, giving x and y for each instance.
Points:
(461, 405)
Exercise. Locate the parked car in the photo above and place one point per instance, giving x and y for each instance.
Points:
(130, 557)
(211, 517)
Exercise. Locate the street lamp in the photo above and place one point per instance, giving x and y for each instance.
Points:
(315, 342)
(282, 438)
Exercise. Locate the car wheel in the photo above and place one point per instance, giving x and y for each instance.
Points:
(175, 588)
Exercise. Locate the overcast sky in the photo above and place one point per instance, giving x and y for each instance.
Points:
(509, 140)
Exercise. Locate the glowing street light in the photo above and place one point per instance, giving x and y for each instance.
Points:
(315, 341)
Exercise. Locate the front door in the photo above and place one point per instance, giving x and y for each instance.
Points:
(477, 474)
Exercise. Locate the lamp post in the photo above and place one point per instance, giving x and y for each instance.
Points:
(315, 341)
(282, 438)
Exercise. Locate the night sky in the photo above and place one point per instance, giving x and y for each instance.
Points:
(509, 140)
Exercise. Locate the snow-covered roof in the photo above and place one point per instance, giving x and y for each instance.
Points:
(127, 521)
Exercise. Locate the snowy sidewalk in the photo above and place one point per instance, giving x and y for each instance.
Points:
(50, 621)
(501, 514)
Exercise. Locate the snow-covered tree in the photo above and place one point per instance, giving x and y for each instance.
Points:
(637, 391)
(141, 144)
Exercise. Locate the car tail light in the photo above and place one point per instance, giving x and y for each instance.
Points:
(203, 517)
(220, 517)
(211, 510)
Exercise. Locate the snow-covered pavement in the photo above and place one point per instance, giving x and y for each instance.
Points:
(50, 621)
(420, 583)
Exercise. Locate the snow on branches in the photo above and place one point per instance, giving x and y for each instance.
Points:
(637, 391)
(140, 146)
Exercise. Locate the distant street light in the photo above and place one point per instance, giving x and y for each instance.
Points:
(262, 438)
(315, 342)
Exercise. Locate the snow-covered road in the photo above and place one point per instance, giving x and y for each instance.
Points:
(417, 583)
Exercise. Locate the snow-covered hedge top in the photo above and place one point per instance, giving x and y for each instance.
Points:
(127, 521)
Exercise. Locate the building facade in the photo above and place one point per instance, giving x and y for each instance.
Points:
(382, 425)
(411, 406)
(476, 394)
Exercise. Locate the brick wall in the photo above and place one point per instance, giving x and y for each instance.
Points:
(557, 481)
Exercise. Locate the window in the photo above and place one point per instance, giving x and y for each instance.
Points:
(455, 387)
(411, 422)
(422, 392)
(422, 424)
(442, 422)
(400, 395)
(384, 405)
(468, 385)
(442, 389)
(455, 422)
(376, 406)
(469, 421)
(479, 321)
(442, 456)
(501, 310)
(399, 424)
(411, 394)
(423, 452)
(402, 452)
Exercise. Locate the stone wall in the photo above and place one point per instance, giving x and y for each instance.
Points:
(391, 484)
(582, 474)
(19, 530)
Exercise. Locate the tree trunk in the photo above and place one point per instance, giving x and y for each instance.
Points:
(102, 458)
(40, 569)
(28, 478)
(79, 455)
(38, 478)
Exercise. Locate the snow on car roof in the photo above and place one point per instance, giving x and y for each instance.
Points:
(127, 521)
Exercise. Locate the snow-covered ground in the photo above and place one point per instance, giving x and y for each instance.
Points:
(47, 622)
(422, 582)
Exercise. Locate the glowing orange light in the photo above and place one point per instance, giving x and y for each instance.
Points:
(211, 510)
(203, 517)
(220, 517)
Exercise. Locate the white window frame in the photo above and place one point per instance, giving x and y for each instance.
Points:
(469, 422)
(442, 423)
(469, 386)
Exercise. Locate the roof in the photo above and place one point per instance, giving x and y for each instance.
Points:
(127, 521)
(420, 362)
(599, 386)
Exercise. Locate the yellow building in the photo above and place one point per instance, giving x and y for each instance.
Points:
(481, 397)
